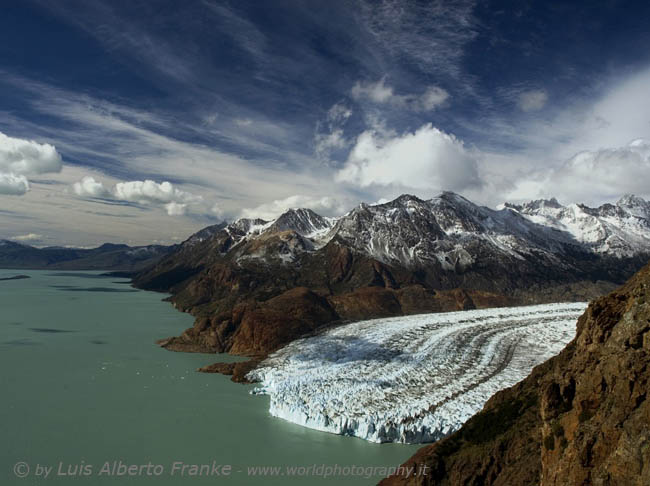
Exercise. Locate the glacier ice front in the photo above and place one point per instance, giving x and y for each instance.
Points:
(410, 379)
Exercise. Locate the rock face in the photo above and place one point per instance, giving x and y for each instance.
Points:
(404, 257)
(581, 418)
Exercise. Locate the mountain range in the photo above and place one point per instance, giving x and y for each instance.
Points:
(255, 285)
(105, 257)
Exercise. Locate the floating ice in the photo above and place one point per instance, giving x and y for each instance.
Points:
(411, 379)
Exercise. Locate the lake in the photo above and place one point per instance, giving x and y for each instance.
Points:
(87, 394)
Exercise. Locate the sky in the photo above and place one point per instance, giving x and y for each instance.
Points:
(143, 121)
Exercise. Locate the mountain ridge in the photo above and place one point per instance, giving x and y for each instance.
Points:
(405, 256)
(108, 256)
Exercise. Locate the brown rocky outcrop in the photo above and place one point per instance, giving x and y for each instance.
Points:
(581, 418)
(237, 370)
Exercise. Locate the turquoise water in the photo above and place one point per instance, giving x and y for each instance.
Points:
(84, 388)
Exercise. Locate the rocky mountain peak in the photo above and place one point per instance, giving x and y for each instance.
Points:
(204, 234)
(634, 205)
(303, 221)
(403, 200)
(535, 205)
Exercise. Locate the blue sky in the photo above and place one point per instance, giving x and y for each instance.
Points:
(143, 121)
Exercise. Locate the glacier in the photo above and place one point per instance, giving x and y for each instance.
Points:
(410, 379)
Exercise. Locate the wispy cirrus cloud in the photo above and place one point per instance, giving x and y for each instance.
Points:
(381, 93)
(532, 100)
(430, 36)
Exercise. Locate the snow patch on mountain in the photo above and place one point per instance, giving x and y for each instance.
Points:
(620, 230)
(410, 379)
(453, 233)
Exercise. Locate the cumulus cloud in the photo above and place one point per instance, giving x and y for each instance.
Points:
(380, 93)
(428, 159)
(326, 206)
(147, 192)
(13, 185)
(175, 209)
(89, 187)
(532, 100)
(591, 177)
(26, 157)
(20, 158)
(602, 173)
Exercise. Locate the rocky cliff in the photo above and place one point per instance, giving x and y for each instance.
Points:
(581, 418)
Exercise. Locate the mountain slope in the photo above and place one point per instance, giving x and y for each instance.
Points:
(580, 418)
(402, 257)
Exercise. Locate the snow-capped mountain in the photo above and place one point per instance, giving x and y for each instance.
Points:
(454, 232)
(303, 221)
(621, 229)
(447, 232)
(448, 229)
(407, 256)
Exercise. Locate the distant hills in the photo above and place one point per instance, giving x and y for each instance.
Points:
(106, 257)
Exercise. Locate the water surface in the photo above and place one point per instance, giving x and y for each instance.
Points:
(84, 384)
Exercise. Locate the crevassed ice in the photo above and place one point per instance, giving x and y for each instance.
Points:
(411, 379)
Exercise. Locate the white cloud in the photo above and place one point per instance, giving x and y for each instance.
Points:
(433, 97)
(175, 209)
(329, 135)
(591, 177)
(13, 185)
(27, 237)
(326, 206)
(427, 159)
(377, 92)
(326, 143)
(243, 122)
(217, 210)
(148, 191)
(338, 113)
(89, 187)
(532, 100)
(605, 173)
(20, 158)
(26, 157)
(380, 93)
